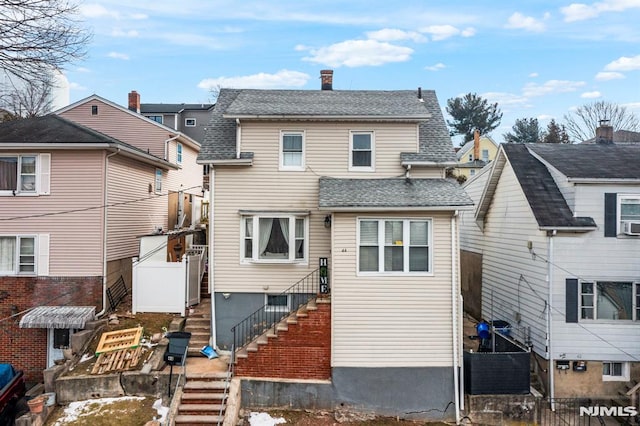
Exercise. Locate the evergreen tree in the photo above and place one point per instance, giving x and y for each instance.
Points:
(525, 130)
(555, 133)
(472, 112)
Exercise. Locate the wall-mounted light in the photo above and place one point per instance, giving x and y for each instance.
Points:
(226, 295)
(327, 221)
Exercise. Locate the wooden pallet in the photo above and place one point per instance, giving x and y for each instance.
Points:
(118, 340)
(124, 359)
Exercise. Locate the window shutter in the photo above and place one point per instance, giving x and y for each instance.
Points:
(610, 214)
(44, 175)
(43, 255)
(571, 297)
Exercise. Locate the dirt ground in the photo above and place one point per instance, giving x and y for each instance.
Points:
(337, 418)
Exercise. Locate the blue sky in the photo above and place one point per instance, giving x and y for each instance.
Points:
(535, 58)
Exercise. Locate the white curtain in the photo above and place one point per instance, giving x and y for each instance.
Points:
(265, 225)
(7, 253)
(284, 226)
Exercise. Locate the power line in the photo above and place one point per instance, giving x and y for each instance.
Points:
(85, 209)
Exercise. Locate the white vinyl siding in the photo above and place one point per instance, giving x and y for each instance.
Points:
(390, 321)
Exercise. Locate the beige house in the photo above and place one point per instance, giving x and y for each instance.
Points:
(356, 179)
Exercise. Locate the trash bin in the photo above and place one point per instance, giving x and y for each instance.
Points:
(176, 351)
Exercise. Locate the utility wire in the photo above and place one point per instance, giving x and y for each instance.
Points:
(85, 209)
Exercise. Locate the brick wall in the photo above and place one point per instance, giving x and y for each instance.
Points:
(26, 348)
(302, 352)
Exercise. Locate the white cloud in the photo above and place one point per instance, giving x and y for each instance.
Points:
(441, 32)
(117, 32)
(82, 69)
(527, 23)
(544, 117)
(551, 87)
(533, 75)
(437, 67)
(97, 11)
(117, 55)
(358, 53)
(606, 76)
(281, 79)
(506, 100)
(468, 32)
(591, 95)
(138, 16)
(624, 63)
(580, 11)
(389, 34)
(76, 86)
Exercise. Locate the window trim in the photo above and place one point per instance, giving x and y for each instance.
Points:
(16, 261)
(179, 152)
(157, 118)
(18, 191)
(406, 237)
(282, 166)
(624, 377)
(372, 167)
(276, 308)
(619, 199)
(158, 181)
(484, 158)
(635, 294)
(188, 121)
(255, 259)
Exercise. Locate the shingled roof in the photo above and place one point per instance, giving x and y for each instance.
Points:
(545, 199)
(369, 194)
(402, 105)
(173, 108)
(596, 161)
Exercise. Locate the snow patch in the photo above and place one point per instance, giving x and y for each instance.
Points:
(264, 419)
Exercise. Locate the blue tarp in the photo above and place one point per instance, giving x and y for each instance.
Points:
(6, 374)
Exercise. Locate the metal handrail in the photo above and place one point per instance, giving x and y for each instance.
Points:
(230, 369)
(265, 317)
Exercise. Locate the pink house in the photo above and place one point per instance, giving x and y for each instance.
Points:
(78, 190)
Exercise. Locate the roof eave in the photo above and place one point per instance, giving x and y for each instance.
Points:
(417, 163)
(395, 209)
(568, 228)
(229, 162)
(604, 180)
(324, 117)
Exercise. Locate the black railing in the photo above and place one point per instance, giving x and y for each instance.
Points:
(269, 315)
(223, 407)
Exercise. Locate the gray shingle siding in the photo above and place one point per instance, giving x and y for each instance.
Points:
(391, 193)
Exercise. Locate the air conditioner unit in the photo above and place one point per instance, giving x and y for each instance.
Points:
(631, 227)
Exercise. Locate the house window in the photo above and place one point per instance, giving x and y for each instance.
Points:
(61, 338)
(615, 371)
(362, 152)
(470, 157)
(278, 238)
(609, 300)
(394, 246)
(94, 109)
(277, 302)
(292, 151)
(190, 122)
(18, 174)
(158, 182)
(179, 153)
(629, 208)
(156, 118)
(485, 155)
(17, 255)
(472, 172)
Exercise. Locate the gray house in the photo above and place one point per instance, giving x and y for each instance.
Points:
(556, 237)
(355, 179)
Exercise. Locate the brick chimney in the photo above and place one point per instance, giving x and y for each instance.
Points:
(327, 79)
(134, 101)
(476, 144)
(604, 133)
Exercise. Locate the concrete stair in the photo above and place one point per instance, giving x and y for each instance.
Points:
(198, 323)
(204, 287)
(203, 399)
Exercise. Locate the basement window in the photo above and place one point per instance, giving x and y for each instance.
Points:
(277, 302)
(615, 371)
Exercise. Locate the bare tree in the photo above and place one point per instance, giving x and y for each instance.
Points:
(38, 36)
(581, 124)
(27, 99)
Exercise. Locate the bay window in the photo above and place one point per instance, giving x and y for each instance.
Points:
(394, 246)
(277, 238)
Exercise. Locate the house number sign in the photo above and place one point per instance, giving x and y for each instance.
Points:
(323, 272)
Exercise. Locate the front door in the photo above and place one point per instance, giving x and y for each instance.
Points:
(59, 339)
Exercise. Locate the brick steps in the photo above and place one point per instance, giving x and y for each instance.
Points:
(203, 399)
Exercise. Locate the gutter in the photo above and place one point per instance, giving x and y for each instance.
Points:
(454, 315)
(324, 117)
(394, 208)
(104, 232)
(166, 146)
(211, 266)
(550, 318)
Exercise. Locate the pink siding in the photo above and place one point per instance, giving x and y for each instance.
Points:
(122, 126)
(75, 238)
(129, 181)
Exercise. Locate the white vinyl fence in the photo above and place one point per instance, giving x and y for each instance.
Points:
(168, 287)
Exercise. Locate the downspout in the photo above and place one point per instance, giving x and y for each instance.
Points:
(166, 146)
(238, 136)
(550, 316)
(454, 314)
(104, 232)
(212, 174)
